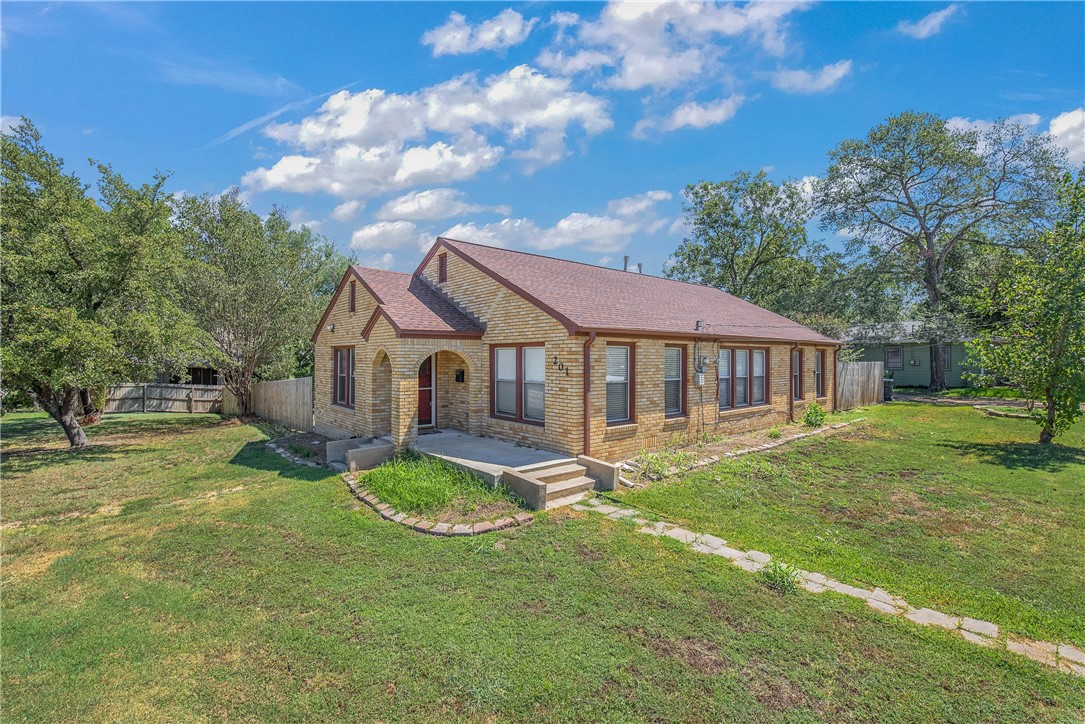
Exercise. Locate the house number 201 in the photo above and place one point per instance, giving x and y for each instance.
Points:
(560, 365)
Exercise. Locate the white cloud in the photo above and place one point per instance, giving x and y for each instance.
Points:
(346, 210)
(229, 77)
(431, 204)
(1069, 132)
(806, 187)
(633, 206)
(457, 36)
(807, 81)
(8, 123)
(385, 235)
(928, 25)
(692, 115)
(366, 143)
(298, 219)
(960, 123)
(383, 261)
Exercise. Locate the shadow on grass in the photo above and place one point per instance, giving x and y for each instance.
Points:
(256, 456)
(28, 460)
(1022, 455)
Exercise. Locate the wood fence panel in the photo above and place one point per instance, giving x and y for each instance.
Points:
(859, 384)
(157, 397)
(285, 402)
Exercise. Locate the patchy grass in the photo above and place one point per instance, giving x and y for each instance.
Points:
(420, 485)
(949, 508)
(232, 585)
(968, 393)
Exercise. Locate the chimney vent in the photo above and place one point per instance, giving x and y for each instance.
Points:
(625, 263)
(640, 267)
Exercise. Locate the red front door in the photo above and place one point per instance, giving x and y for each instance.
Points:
(425, 393)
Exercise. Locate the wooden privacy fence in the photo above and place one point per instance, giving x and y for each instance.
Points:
(859, 384)
(285, 402)
(156, 397)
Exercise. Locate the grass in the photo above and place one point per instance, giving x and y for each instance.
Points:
(223, 582)
(954, 510)
(419, 485)
(990, 393)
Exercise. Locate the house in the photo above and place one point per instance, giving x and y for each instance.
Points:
(908, 356)
(555, 354)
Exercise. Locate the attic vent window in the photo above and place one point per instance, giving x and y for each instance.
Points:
(442, 268)
(353, 297)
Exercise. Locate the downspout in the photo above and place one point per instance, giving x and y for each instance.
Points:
(836, 387)
(587, 392)
(791, 383)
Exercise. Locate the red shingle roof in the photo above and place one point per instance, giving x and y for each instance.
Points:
(414, 307)
(587, 297)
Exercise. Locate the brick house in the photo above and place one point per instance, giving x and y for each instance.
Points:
(559, 355)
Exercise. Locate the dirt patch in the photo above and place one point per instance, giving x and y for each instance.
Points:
(456, 513)
(112, 509)
(699, 654)
(31, 566)
(728, 615)
(306, 445)
(587, 554)
(774, 692)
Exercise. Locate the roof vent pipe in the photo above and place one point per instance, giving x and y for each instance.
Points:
(640, 268)
(625, 263)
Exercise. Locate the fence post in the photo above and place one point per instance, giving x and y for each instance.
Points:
(190, 401)
(144, 388)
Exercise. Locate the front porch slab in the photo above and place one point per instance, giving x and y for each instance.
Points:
(484, 456)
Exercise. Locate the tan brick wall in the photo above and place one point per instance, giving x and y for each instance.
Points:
(387, 384)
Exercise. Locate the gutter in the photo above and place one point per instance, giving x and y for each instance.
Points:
(587, 392)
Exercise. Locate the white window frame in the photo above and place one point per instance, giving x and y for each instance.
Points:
(626, 382)
(900, 357)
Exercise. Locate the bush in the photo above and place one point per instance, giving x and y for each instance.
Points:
(780, 577)
(814, 415)
(775, 433)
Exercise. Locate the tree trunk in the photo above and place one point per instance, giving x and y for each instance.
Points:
(1048, 430)
(938, 367)
(64, 408)
(932, 280)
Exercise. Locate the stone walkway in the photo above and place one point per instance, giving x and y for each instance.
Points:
(984, 633)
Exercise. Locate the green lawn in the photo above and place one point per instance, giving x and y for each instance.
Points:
(946, 506)
(177, 570)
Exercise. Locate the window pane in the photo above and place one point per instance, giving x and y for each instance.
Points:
(506, 398)
(741, 362)
(758, 390)
(758, 362)
(617, 364)
(740, 392)
(725, 363)
(534, 400)
(506, 363)
(725, 392)
(672, 363)
(817, 362)
(672, 392)
(534, 364)
(617, 401)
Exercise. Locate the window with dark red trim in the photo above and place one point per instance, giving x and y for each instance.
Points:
(518, 383)
(343, 376)
(353, 296)
(674, 380)
(442, 268)
(796, 374)
(819, 373)
(743, 377)
(621, 383)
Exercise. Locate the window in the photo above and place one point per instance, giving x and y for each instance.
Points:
(743, 377)
(343, 376)
(796, 374)
(674, 382)
(505, 384)
(442, 268)
(519, 383)
(534, 383)
(619, 371)
(725, 378)
(947, 356)
(353, 296)
(819, 373)
(894, 358)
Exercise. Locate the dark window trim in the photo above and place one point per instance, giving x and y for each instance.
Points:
(353, 296)
(442, 268)
(632, 383)
(684, 376)
(819, 378)
(796, 371)
(749, 378)
(335, 377)
(900, 357)
(519, 416)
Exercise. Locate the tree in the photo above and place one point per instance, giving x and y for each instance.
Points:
(254, 286)
(88, 285)
(1040, 347)
(915, 189)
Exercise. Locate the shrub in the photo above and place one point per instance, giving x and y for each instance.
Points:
(814, 415)
(780, 577)
(775, 433)
(658, 465)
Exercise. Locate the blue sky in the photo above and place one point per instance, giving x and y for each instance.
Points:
(568, 129)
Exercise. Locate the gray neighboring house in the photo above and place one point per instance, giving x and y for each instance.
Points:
(909, 358)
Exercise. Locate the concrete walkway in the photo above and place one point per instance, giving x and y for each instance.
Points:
(983, 633)
(483, 455)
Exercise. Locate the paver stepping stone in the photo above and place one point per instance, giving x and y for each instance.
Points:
(1040, 651)
(847, 590)
(593, 501)
(984, 628)
(882, 606)
(758, 556)
(748, 565)
(976, 638)
(681, 534)
(606, 509)
(811, 586)
(1069, 652)
(578, 506)
(621, 514)
(815, 577)
(702, 548)
(710, 540)
(930, 617)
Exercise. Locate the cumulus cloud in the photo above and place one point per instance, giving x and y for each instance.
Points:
(8, 123)
(385, 235)
(432, 204)
(1069, 132)
(362, 144)
(347, 210)
(960, 123)
(457, 36)
(380, 261)
(928, 25)
(692, 115)
(809, 81)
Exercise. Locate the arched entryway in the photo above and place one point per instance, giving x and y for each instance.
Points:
(381, 395)
(444, 392)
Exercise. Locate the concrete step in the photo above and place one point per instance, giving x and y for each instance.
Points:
(536, 467)
(558, 474)
(567, 488)
(567, 500)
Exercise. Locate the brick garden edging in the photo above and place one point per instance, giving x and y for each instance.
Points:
(428, 527)
(286, 454)
(983, 633)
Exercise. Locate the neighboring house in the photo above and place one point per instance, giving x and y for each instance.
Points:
(555, 354)
(196, 375)
(909, 357)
